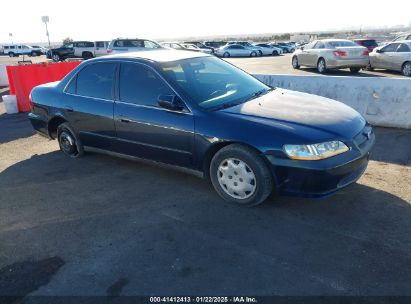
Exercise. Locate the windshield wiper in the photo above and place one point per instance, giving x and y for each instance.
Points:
(261, 92)
(225, 106)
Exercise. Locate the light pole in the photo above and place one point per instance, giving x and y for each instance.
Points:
(45, 19)
(11, 37)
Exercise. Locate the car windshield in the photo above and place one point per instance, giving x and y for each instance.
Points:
(341, 43)
(213, 83)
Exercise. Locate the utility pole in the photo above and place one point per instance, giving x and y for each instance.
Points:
(11, 37)
(45, 19)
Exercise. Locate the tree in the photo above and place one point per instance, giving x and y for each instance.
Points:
(67, 40)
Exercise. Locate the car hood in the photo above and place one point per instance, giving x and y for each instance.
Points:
(302, 109)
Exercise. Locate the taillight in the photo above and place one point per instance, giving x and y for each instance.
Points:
(366, 53)
(109, 51)
(340, 53)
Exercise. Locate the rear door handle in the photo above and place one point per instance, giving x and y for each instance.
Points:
(69, 109)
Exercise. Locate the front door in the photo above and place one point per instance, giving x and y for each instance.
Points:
(144, 129)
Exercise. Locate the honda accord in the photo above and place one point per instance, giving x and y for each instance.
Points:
(194, 111)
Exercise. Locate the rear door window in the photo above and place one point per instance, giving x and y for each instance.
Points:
(96, 80)
(403, 48)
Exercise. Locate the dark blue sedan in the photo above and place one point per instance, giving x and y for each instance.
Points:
(197, 112)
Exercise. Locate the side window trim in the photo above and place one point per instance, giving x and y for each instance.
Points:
(117, 88)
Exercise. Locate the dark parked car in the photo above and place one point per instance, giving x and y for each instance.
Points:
(370, 44)
(198, 112)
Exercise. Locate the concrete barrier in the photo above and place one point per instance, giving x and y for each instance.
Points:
(383, 102)
(4, 81)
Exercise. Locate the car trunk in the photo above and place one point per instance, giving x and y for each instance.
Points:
(352, 52)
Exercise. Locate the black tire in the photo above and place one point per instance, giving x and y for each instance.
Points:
(355, 70)
(55, 57)
(321, 66)
(292, 50)
(11, 54)
(68, 141)
(226, 55)
(33, 54)
(369, 67)
(87, 55)
(406, 69)
(294, 62)
(263, 181)
(253, 54)
(275, 53)
(260, 53)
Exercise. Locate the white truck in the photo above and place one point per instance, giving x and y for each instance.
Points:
(15, 50)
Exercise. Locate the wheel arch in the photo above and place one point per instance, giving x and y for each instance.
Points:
(213, 149)
(53, 124)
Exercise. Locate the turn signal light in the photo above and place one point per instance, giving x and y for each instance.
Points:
(109, 51)
(339, 53)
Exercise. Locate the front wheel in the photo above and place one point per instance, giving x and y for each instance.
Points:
(55, 57)
(11, 54)
(253, 54)
(68, 141)
(226, 55)
(239, 175)
(406, 69)
(275, 53)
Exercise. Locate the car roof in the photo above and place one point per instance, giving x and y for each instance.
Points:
(163, 55)
(364, 39)
(401, 41)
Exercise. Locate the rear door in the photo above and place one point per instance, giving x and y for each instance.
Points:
(144, 129)
(88, 104)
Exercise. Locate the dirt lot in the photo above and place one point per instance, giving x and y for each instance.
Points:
(106, 226)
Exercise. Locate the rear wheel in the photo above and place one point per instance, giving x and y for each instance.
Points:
(354, 70)
(406, 69)
(11, 54)
(240, 175)
(295, 63)
(87, 55)
(33, 54)
(68, 141)
(321, 66)
(275, 53)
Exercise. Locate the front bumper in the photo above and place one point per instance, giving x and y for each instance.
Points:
(323, 177)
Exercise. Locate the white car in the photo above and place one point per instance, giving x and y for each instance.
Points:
(269, 49)
(236, 50)
(122, 45)
(193, 47)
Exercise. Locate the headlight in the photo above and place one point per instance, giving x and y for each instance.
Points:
(316, 151)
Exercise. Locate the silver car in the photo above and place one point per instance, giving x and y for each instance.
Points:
(121, 45)
(331, 54)
(394, 56)
(235, 50)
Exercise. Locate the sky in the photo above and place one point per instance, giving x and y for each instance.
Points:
(155, 19)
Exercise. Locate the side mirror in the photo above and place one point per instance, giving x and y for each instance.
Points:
(170, 102)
